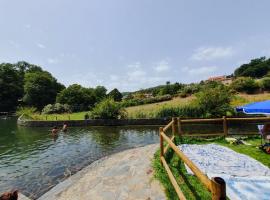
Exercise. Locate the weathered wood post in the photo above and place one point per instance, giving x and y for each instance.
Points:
(69, 117)
(180, 132)
(225, 126)
(56, 118)
(218, 188)
(46, 117)
(161, 144)
(174, 126)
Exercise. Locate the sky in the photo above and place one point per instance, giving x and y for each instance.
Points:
(134, 44)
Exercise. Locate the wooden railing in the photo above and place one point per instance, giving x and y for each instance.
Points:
(216, 185)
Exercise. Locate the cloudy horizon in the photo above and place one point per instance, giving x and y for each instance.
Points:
(134, 44)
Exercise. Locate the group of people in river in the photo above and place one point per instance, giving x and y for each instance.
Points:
(55, 130)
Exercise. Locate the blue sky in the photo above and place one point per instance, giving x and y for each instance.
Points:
(133, 44)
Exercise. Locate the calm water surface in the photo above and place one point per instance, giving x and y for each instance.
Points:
(32, 161)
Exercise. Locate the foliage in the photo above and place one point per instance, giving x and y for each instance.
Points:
(10, 86)
(77, 97)
(108, 109)
(100, 93)
(40, 89)
(187, 111)
(266, 83)
(56, 108)
(257, 68)
(27, 111)
(136, 101)
(115, 94)
(245, 84)
(214, 101)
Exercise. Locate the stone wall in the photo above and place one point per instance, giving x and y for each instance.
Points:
(93, 122)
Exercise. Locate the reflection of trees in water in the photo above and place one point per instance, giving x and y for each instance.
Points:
(107, 137)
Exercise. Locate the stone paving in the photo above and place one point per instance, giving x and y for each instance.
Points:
(123, 176)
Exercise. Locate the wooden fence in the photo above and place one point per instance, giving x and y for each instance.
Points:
(216, 185)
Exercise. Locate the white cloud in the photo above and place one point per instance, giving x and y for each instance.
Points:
(41, 46)
(162, 66)
(53, 60)
(211, 53)
(136, 75)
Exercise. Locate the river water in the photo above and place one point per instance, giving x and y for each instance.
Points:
(33, 161)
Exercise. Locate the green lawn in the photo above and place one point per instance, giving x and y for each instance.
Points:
(190, 185)
(65, 116)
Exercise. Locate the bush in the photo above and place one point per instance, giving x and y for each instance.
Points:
(266, 83)
(56, 108)
(214, 101)
(27, 111)
(245, 84)
(108, 109)
(137, 101)
(184, 111)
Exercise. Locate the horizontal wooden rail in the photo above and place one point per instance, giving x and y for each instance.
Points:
(172, 179)
(201, 120)
(201, 176)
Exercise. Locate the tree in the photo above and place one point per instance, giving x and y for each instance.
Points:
(11, 87)
(266, 83)
(256, 68)
(214, 101)
(100, 93)
(40, 89)
(108, 109)
(78, 97)
(115, 94)
(245, 84)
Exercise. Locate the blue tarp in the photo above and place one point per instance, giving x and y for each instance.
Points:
(262, 107)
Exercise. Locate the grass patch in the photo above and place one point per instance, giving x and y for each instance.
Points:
(64, 116)
(190, 185)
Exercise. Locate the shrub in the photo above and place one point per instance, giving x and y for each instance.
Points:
(266, 83)
(56, 108)
(137, 101)
(245, 84)
(27, 111)
(214, 101)
(184, 111)
(108, 109)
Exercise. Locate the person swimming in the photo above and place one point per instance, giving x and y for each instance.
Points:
(64, 129)
(55, 130)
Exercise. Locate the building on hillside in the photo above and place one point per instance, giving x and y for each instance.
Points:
(223, 79)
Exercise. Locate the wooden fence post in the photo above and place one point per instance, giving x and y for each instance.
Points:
(69, 117)
(218, 188)
(161, 144)
(174, 128)
(180, 132)
(56, 118)
(225, 126)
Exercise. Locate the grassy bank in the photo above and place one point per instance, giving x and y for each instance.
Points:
(151, 110)
(190, 185)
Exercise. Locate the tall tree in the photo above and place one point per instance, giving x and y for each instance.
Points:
(100, 93)
(40, 89)
(11, 87)
(78, 97)
(115, 94)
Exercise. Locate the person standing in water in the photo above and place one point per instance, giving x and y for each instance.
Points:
(55, 130)
(64, 129)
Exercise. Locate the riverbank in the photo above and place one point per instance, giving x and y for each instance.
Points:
(125, 175)
(92, 122)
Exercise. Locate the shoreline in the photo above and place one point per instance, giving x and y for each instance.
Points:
(125, 175)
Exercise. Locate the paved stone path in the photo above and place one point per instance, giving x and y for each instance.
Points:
(123, 176)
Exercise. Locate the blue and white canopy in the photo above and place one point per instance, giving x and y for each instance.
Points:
(262, 107)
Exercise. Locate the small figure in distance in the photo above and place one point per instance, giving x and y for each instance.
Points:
(65, 127)
(13, 195)
(55, 130)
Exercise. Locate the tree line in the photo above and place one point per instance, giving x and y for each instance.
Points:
(24, 84)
